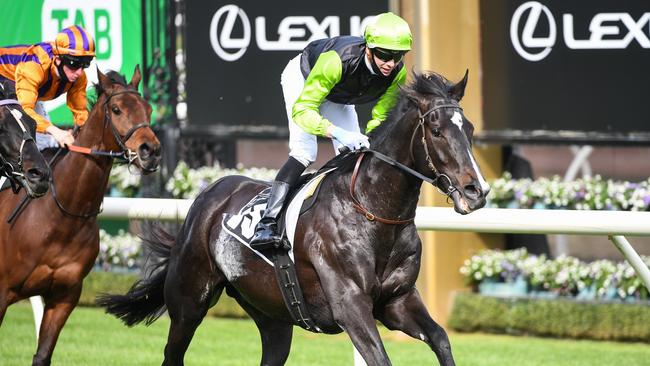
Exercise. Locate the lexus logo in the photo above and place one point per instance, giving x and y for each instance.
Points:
(526, 45)
(221, 33)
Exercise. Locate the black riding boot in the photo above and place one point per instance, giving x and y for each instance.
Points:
(266, 231)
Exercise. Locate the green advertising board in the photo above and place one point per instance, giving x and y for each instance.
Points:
(115, 25)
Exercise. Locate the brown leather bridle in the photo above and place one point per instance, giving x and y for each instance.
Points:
(433, 181)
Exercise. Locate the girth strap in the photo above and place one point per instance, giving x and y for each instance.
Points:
(285, 273)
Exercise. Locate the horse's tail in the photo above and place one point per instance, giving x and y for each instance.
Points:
(145, 300)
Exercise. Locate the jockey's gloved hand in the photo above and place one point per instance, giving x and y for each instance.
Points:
(63, 137)
(352, 140)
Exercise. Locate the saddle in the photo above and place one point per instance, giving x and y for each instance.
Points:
(242, 227)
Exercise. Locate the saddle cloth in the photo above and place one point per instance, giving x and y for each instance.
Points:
(241, 226)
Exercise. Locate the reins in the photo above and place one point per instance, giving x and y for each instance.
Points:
(433, 181)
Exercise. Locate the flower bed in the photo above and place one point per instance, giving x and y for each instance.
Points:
(188, 183)
(563, 276)
(185, 182)
(592, 193)
(122, 252)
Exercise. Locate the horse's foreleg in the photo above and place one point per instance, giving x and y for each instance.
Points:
(408, 314)
(57, 311)
(276, 336)
(354, 315)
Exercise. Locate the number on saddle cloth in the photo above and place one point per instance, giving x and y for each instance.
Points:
(242, 225)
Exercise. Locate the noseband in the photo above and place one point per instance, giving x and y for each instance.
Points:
(14, 172)
(436, 175)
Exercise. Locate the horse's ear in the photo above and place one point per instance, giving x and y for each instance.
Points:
(104, 82)
(458, 91)
(137, 76)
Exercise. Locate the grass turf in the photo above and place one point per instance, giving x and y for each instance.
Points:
(91, 337)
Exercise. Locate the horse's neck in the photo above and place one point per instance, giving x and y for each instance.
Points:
(393, 192)
(88, 174)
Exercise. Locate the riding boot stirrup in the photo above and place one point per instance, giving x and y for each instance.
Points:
(266, 231)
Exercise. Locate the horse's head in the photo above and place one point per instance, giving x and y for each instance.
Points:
(20, 160)
(128, 116)
(441, 143)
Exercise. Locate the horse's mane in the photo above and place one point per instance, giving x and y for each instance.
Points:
(427, 85)
(115, 77)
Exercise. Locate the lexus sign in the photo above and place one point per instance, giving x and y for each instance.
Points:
(561, 68)
(606, 30)
(236, 52)
(292, 31)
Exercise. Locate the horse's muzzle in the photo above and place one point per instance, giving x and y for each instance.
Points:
(149, 155)
(36, 181)
(470, 199)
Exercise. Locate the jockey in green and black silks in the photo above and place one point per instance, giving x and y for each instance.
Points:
(321, 86)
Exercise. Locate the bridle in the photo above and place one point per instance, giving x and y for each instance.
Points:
(14, 172)
(125, 154)
(421, 122)
(435, 181)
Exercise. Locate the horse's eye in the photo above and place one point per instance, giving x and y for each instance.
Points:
(116, 110)
(435, 132)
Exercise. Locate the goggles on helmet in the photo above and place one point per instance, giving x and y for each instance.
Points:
(76, 63)
(387, 55)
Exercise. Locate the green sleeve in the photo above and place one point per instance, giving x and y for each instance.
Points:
(323, 76)
(387, 101)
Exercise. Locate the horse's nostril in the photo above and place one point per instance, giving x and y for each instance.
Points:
(144, 150)
(471, 191)
(35, 175)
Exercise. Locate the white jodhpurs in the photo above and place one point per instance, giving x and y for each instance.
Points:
(44, 140)
(302, 145)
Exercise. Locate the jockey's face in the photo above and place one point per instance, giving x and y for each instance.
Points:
(384, 59)
(72, 73)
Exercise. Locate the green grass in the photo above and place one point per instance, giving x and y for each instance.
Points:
(94, 338)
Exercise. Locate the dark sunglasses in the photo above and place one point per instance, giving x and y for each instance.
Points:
(75, 64)
(387, 55)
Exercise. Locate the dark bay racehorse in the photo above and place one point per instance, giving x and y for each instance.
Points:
(20, 161)
(52, 244)
(352, 270)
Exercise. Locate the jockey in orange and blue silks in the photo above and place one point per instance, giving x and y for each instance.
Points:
(47, 70)
(321, 87)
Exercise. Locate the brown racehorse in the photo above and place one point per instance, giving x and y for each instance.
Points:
(20, 161)
(353, 268)
(52, 244)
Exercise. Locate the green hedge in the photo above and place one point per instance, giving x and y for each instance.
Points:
(119, 283)
(551, 317)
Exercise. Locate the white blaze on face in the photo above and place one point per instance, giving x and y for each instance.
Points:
(457, 119)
